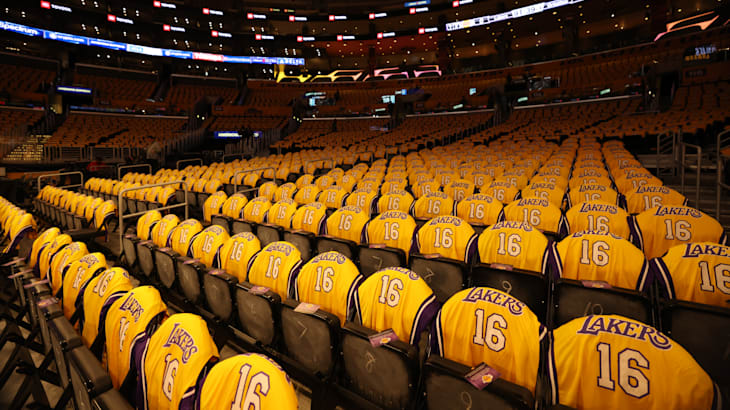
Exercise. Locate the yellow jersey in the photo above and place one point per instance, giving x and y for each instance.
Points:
(146, 222)
(206, 244)
(213, 205)
(173, 360)
(161, 230)
(646, 197)
(480, 210)
(61, 261)
(333, 197)
(247, 381)
(363, 199)
(99, 294)
(595, 192)
(598, 216)
(310, 218)
(540, 213)
(329, 280)
(281, 213)
(74, 281)
(256, 209)
(398, 299)
(43, 240)
(285, 191)
(48, 252)
(395, 200)
(516, 244)
(307, 194)
(432, 205)
(393, 229)
(233, 205)
(613, 362)
(448, 236)
(347, 223)
(484, 325)
(183, 234)
(276, 267)
(236, 254)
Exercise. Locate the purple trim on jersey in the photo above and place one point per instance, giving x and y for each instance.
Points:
(426, 312)
(17, 239)
(723, 239)
(645, 279)
(351, 294)
(322, 228)
(471, 249)
(686, 202)
(636, 234)
(250, 261)
(101, 326)
(412, 209)
(717, 399)
(139, 354)
(563, 228)
(552, 371)
(291, 283)
(358, 311)
(660, 271)
(557, 263)
(191, 398)
(437, 336)
(501, 217)
(621, 201)
(365, 236)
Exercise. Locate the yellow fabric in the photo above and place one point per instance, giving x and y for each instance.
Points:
(273, 267)
(448, 236)
(111, 282)
(515, 244)
(236, 253)
(347, 223)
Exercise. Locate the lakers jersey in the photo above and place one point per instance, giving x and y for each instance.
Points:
(425, 187)
(333, 197)
(130, 320)
(347, 223)
(233, 205)
(696, 272)
(613, 362)
(516, 244)
(484, 325)
(501, 190)
(268, 190)
(539, 213)
(602, 256)
(43, 240)
(213, 205)
(173, 360)
(256, 209)
(236, 253)
(247, 381)
(598, 216)
(146, 222)
(280, 214)
(182, 235)
(395, 200)
(660, 228)
(79, 273)
(363, 199)
(307, 194)
(329, 280)
(448, 236)
(393, 229)
(206, 244)
(646, 197)
(545, 190)
(479, 209)
(310, 218)
(398, 299)
(47, 253)
(585, 193)
(100, 293)
(433, 205)
(275, 267)
(633, 179)
(62, 260)
(285, 191)
(162, 230)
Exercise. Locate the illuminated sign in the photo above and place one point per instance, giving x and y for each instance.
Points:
(304, 38)
(254, 16)
(341, 37)
(386, 34)
(164, 5)
(332, 17)
(227, 134)
(73, 90)
(139, 49)
(424, 30)
(50, 6)
(297, 18)
(702, 21)
(167, 27)
(263, 37)
(508, 15)
(417, 10)
(417, 3)
(457, 3)
(208, 11)
(373, 16)
(216, 33)
(117, 19)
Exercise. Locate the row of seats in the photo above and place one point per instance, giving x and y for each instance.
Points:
(190, 277)
(80, 130)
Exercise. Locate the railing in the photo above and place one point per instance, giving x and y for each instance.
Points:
(246, 171)
(240, 156)
(121, 167)
(723, 141)
(60, 174)
(120, 199)
(683, 165)
(190, 160)
(306, 163)
(666, 146)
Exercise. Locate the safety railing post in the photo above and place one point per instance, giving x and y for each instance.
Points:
(121, 167)
(120, 198)
(79, 173)
(246, 171)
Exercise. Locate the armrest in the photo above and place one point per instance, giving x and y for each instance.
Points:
(95, 379)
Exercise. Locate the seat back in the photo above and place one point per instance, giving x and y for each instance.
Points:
(529, 287)
(343, 246)
(704, 331)
(240, 225)
(63, 339)
(373, 258)
(88, 378)
(111, 400)
(573, 299)
(257, 313)
(445, 276)
(145, 256)
(222, 220)
(301, 240)
(165, 264)
(189, 275)
(268, 233)
(218, 287)
(310, 339)
(386, 375)
(446, 387)
(130, 250)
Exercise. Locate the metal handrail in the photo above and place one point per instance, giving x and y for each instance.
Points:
(58, 174)
(231, 155)
(120, 168)
(330, 160)
(682, 165)
(120, 198)
(246, 171)
(720, 164)
(199, 160)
